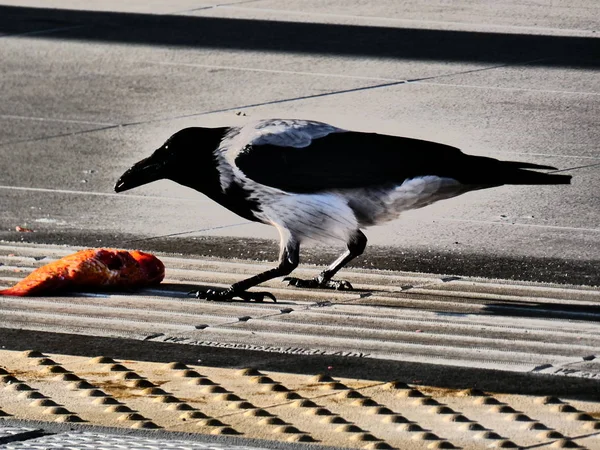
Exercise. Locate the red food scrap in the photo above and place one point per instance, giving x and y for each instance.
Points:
(92, 268)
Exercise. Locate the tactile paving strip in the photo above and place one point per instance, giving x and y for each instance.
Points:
(397, 316)
(318, 409)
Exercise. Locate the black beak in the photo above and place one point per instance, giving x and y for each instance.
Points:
(143, 172)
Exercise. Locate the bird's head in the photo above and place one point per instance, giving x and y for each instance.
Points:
(184, 156)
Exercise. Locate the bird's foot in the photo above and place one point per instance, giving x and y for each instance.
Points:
(226, 295)
(319, 283)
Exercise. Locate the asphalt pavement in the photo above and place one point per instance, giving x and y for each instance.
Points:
(89, 88)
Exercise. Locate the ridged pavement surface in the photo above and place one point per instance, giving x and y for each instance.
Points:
(392, 316)
(413, 317)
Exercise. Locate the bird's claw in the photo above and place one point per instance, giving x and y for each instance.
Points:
(226, 295)
(316, 283)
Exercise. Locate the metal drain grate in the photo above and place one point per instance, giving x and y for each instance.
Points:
(286, 407)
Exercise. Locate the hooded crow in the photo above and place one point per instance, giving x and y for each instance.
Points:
(313, 181)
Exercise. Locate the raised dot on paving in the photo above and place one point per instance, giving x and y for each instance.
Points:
(441, 444)
(258, 412)
(166, 399)
(210, 422)
(334, 419)
(105, 401)
(69, 418)
(225, 431)
(551, 434)
(456, 418)
(118, 409)
(44, 402)
(381, 410)
(363, 437)
(304, 403)
(67, 377)
(518, 417)
(193, 415)
(300, 438)
(473, 392)
(118, 368)
(55, 369)
(140, 384)
(272, 420)
(488, 435)
(241, 405)
(180, 407)
(154, 391)
(146, 425)
(411, 427)
(535, 426)
(548, 400)
(425, 401)
(31, 394)
(410, 393)
(128, 375)
(378, 446)
(396, 385)
(55, 410)
(441, 410)
(227, 397)
(565, 443)
(425, 436)
(261, 380)
(215, 390)
(365, 403)
(287, 429)
(595, 425)
(486, 401)
(581, 417)
(45, 362)
(395, 418)
(350, 394)
(188, 373)
(202, 382)
(249, 372)
(93, 393)
(349, 428)
(176, 366)
(289, 395)
(19, 387)
(472, 426)
(504, 443)
(81, 385)
(9, 379)
(33, 354)
(102, 360)
(321, 378)
(564, 408)
(131, 417)
(318, 411)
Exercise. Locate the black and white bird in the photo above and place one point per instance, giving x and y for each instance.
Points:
(314, 181)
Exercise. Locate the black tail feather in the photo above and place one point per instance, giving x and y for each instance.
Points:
(524, 165)
(520, 176)
(483, 171)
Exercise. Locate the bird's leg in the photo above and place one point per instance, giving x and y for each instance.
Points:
(288, 261)
(356, 246)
